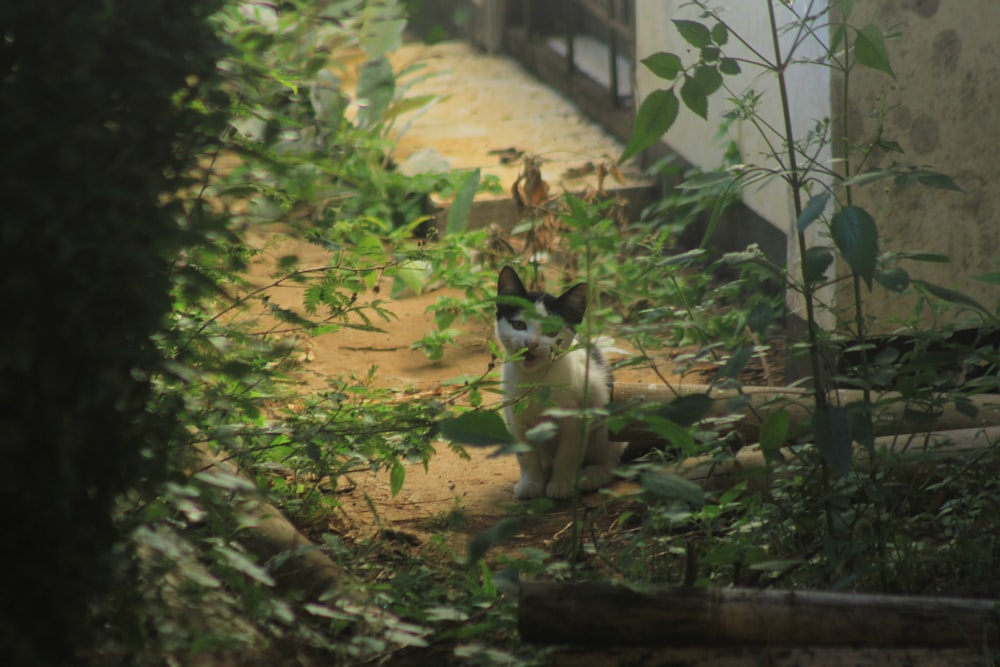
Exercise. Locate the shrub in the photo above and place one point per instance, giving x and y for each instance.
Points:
(99, 129)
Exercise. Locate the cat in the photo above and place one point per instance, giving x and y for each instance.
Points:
(546, 369)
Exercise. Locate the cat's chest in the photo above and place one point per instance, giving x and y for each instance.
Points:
(569, 383)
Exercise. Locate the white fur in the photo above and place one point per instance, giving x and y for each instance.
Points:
(552, 371)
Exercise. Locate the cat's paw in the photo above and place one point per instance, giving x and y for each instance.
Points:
(559, 490)
(528, 488)
(594, 477)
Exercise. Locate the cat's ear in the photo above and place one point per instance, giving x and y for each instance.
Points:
(508, 284)
(573, 303)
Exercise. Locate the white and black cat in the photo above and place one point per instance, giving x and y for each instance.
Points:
(549, 369)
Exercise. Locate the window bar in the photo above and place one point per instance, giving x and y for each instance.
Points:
(613, 56)
(568, 12)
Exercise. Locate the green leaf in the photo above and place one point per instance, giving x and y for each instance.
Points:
(895, 279)
(396, 478)
(541, 432)
(458, 212)
(656, 115)
(375, 90)
(760, 318)
(241, 562)
(856, 236)
(221, 479)
(862, 429)
(411, 274)
(664, 65)
(693, 97)
(707, 179)
(838, 38)
(694, 33)
(381, 36)
(832, 432)
(869, 49)
(735, 363)
(729, 66)
(992, 278)
(720, 35)
(496, 534)
(818, 260)
(479, 428)
(812, 211)
(966, 407)
(688, 409)
(774, 431)
(708, 79)
(408, 104)
(672, 487)
(867, 177)
(683, 258)
(933, 179)
(925, 257)
(950, 295)
(670, 431)
(775, 565)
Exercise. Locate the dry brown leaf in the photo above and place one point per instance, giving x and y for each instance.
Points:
(530, 190)
(498, 247)
(507, 155)
(581, 171)
(608, 167)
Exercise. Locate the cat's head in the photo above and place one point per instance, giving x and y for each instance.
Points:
(538, 323)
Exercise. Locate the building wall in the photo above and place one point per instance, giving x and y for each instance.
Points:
(694, 138)
(944, 111)
(941, 110)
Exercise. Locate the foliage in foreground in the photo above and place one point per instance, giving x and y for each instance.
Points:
(98, 124)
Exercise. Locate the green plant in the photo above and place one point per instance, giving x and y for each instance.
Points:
(815, 188)
(267, 138)
(102, 126)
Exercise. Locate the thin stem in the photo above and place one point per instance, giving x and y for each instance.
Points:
(859, 319)
(794, 181)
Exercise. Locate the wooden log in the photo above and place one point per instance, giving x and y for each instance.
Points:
(604, 614)
(772, 656)
(914, 451)
(304, 568)
(892, 415)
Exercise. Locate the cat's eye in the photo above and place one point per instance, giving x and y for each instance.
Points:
(518, 325)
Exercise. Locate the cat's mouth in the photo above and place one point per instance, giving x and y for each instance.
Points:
(531, 359)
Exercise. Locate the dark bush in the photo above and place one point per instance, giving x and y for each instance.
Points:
(97, 130)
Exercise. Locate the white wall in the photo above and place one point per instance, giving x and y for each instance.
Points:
(693, 138)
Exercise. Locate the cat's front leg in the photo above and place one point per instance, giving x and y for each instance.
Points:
(601, 460)
(532, 482)
(566, 463)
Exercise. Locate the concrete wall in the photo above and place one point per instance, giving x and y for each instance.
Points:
(942, 111)
(693, 137)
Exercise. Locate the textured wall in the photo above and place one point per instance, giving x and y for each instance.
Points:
(944, 111)
(695, 139)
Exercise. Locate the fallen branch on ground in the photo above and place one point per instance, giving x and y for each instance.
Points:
(305, 567)
(912, 451)
(602, 614)
(893, 414)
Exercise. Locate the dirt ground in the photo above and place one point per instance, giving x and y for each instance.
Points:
(454, 496)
